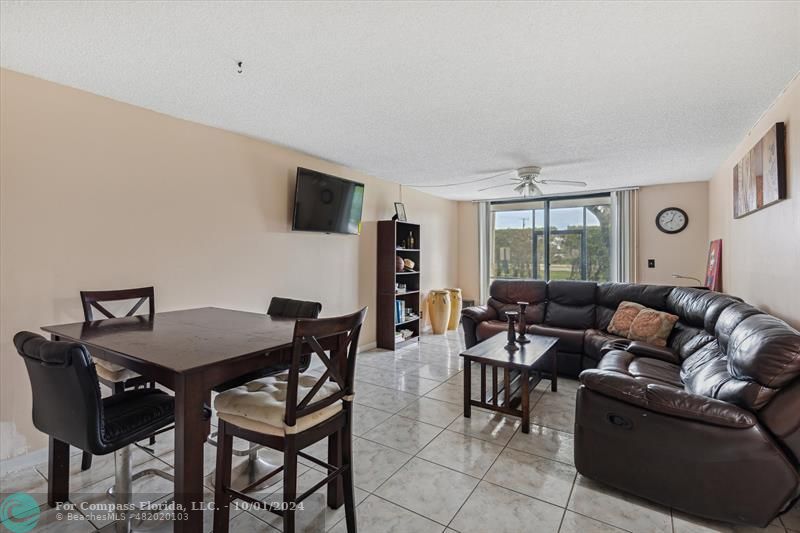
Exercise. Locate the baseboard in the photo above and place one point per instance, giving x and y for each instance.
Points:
(22, 462)
(369, 346)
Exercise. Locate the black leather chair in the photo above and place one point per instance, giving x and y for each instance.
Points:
(67, 406)
(254, 468)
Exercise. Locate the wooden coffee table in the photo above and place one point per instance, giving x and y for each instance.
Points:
(522, 371)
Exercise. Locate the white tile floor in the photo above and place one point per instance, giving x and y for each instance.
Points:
(420, 466)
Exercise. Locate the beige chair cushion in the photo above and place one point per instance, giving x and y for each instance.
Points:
(260, 405)
(113, 372)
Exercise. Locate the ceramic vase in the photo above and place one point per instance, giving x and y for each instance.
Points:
(439, 308)
(455, 308)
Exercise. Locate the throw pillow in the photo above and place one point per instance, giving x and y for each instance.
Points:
(652, 327)
(623, 318)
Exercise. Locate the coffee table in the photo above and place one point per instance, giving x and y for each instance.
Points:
(522, 371)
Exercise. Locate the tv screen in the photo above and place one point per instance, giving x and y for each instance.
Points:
(326, 203)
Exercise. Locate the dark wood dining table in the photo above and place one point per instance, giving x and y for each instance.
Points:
(189, 352)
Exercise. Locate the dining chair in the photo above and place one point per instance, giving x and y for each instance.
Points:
(290, 412)
(116, 377)
(279, 307)
(68, 408)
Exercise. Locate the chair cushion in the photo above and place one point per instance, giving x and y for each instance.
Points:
(652, 327)
(621, 321)
(569, 340)
(113, 372)
(132, 415)
(504, 295)
(260, 405)
(594, 340)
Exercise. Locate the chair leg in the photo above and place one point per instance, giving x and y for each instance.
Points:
(289, 483)
(122, 488)
(222, 479)
(153, 438)
(86, 461)
(347, 477)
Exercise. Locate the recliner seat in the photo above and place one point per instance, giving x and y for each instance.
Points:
(709, 424)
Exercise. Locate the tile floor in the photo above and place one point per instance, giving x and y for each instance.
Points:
(420, 466)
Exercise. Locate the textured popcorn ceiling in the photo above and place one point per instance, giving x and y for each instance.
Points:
(613, 94)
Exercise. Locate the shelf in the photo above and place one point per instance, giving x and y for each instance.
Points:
(407, 249)
(409, 321)
(406, 293)
(412, 339)
(406, 273)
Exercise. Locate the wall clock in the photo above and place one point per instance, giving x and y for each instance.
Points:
(672, 220)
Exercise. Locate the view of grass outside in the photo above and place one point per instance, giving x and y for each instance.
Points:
(580, 241)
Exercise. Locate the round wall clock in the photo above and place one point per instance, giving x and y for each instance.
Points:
(672, 220)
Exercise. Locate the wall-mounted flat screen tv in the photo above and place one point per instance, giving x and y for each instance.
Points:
(326, 203)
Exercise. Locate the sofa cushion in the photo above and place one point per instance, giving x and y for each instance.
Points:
(666, 399)
(645, 369)
(504, 295)
(692, 306)
(490, 328)
(652, 327)
(569, 340)
(706, 373)
(594, 340)
(686, 340)
(766, 350)
(610, 295)
(570, 304)
(731, 317)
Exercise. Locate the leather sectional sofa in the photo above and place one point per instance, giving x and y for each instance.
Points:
(709, 425)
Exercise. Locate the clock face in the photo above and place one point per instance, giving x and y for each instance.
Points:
(672, 220)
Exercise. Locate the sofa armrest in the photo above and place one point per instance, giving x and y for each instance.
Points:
(480, 313)
(667, 400)
(648, 350)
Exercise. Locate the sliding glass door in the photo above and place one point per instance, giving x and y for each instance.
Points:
(565, 238)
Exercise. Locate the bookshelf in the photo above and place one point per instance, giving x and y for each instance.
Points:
(393, 240)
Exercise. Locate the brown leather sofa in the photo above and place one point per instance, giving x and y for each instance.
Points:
(709, 425)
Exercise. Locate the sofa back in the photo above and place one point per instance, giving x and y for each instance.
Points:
(610, 295)
(571, 304)
(505, 293)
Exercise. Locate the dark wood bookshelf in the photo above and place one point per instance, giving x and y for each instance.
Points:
(392, 235)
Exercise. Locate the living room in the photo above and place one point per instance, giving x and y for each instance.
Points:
(541, 258)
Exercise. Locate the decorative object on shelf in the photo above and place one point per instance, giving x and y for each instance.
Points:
(399, 212)
(399, 264)
(522, 338)
(408, 264)
(455, 308)
(512, 334)
(439, 306)
(759, 179)
(714, 268)
(672, 220)
(410, 241)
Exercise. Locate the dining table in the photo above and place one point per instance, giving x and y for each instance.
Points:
(189, 352)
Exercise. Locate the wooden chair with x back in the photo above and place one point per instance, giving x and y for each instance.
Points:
(116, 377)
(290, 412)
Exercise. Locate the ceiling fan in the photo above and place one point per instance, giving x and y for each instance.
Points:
(526, 181)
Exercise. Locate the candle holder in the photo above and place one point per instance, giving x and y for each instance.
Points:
(522, 338)
(512, 345)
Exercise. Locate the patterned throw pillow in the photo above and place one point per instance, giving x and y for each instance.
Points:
(652, 327)
(623, 318)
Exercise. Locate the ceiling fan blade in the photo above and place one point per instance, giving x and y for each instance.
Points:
(469, 182)
(563, 182)
(493, 187)
(521, 187)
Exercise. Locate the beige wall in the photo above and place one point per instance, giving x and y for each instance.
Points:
(682, 253)
(761, 252)
(99, 194)
(468, 251)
